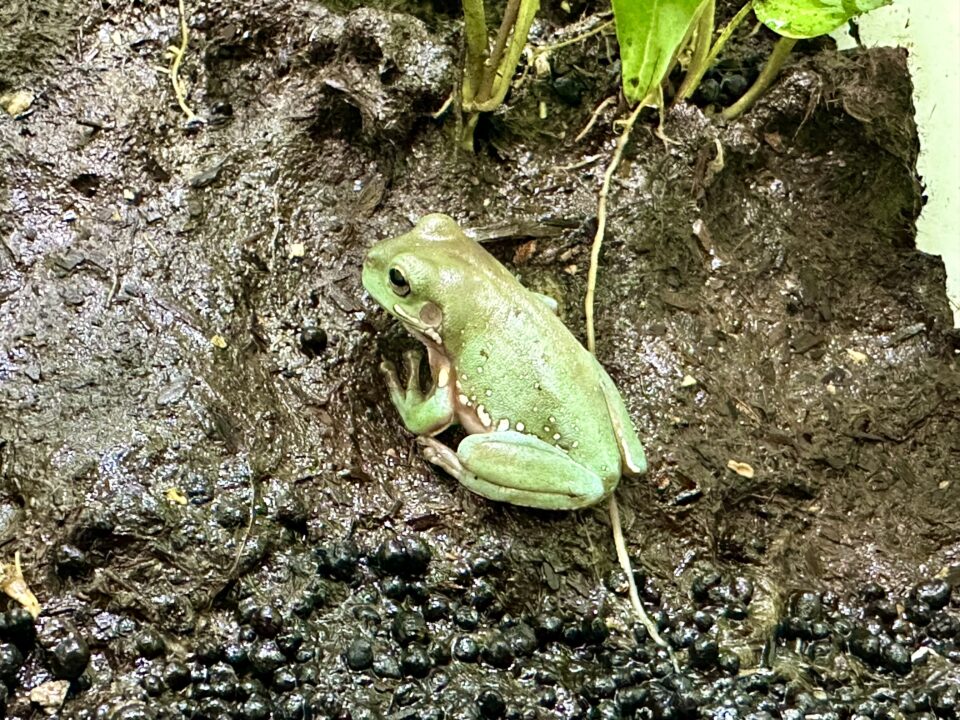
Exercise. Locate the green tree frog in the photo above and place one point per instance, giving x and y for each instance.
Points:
(546, 427)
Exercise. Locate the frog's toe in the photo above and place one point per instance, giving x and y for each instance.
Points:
(436, 453)
(389, 372)
(411, 361)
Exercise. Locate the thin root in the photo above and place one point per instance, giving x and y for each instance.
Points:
(627, 568)
(547, 49)
(602, 226)
(618, 540)
(446, 106)
(179, 90)
(594, 116)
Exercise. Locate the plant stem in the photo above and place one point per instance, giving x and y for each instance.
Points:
(487, 80)
(508, 65)
(769, 73)
(728, 31)
(602, 226)
(475, 39)
(466, 134)
(496, 55)
(700, 51)
(696, 73)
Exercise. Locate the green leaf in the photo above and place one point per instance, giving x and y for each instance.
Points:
(650, 33)
(810, 18)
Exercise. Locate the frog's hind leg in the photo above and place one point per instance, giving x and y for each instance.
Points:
(519, 469)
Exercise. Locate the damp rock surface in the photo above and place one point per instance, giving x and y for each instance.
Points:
(218, 508)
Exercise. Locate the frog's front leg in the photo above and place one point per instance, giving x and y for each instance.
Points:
(631, 449)
(422, 413)
(520, 469)
(547, 300)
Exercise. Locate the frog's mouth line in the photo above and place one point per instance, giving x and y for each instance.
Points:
(415, 325)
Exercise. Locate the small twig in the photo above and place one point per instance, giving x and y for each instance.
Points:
(178, 54)
(602, 226)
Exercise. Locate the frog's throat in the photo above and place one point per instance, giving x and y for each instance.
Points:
(415, 326)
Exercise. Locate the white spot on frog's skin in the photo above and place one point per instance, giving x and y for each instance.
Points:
(488, 393)
(443, 377)
(556, 436)
(521, 427)
(480, 369)
(484, 416)
(546, 429)
(464, 376)
(576, 444)
(464, 400)
(505, 425)
(552, 419)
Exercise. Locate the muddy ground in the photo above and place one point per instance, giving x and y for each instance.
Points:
(216, 504)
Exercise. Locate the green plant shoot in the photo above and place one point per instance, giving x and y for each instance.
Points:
(488, 71)
(794, 20)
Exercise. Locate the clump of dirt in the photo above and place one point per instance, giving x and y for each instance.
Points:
(220, 511)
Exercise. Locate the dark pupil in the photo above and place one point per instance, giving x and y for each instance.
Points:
(398, 280)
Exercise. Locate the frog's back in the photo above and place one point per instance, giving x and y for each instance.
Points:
(529, 373)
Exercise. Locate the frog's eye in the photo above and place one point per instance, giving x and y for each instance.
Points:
(398, 282)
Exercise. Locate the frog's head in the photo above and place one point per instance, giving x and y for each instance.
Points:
(407, 274)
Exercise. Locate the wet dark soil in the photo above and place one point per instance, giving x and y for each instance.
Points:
(218, 508)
